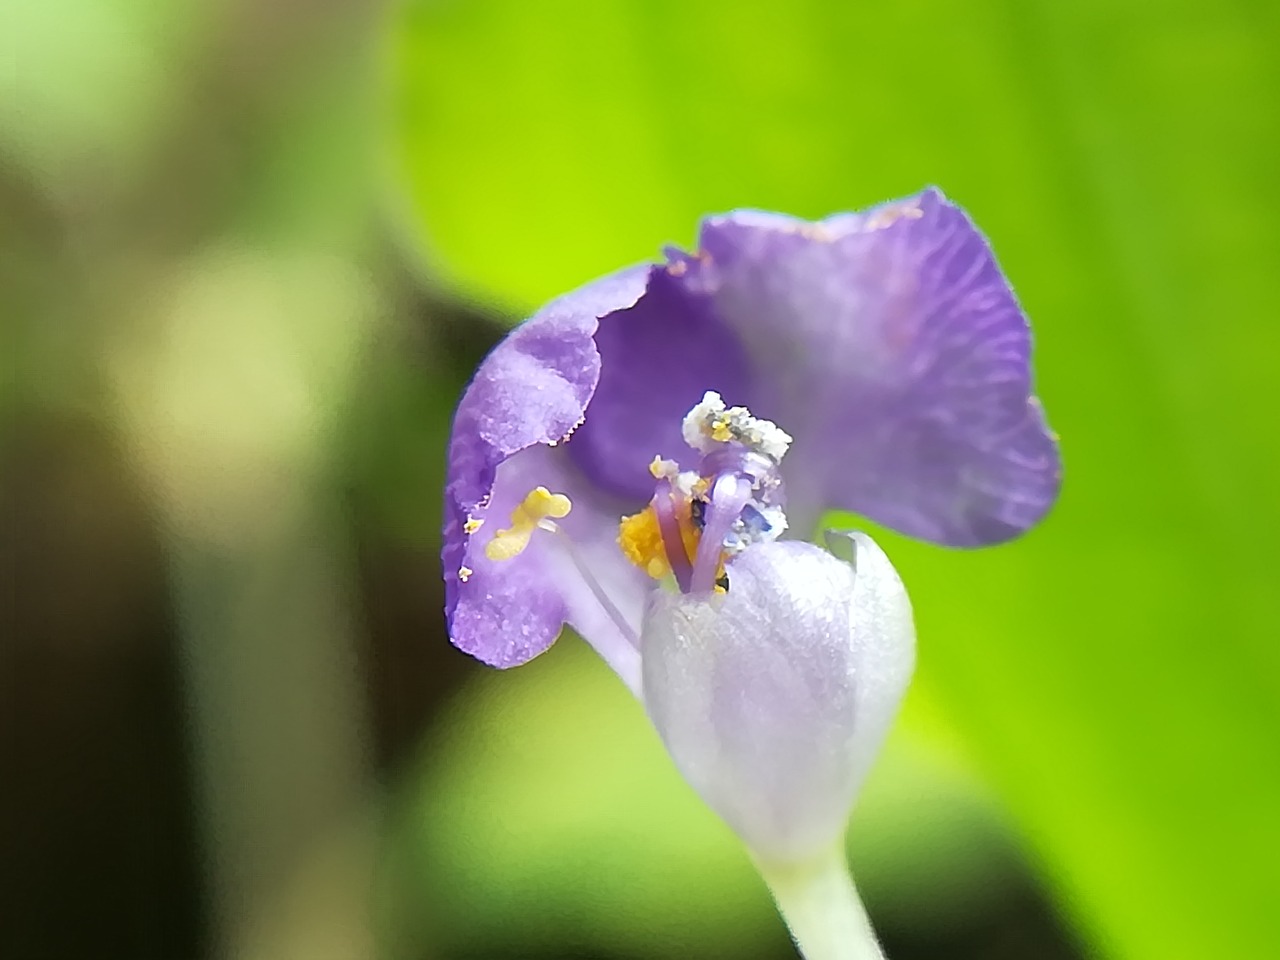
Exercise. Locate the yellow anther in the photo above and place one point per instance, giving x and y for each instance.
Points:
(539, 506)
(641, 541)
(660, 468)
(640, 538)
(542, 503)
(720, 430)
(472, 525)
(508, 543)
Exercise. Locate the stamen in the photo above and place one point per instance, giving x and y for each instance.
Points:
(640, 538)
(661, 537)
(539, 511)
(532, 514)
(729, 495)
(597, 591)
(699, 520)
(660, 468)
(678, 539)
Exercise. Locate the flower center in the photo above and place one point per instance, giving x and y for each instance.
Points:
(697, 520)
(700, 518)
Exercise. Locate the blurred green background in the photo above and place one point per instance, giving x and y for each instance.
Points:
(251, 253)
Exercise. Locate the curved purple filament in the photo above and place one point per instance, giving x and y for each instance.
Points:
(729, 494)
(664, 507)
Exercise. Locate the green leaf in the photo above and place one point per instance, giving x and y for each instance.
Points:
(1116, 674)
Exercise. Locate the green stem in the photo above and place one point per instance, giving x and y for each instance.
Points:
(822, 908)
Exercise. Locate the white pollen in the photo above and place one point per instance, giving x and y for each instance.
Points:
(709, 423)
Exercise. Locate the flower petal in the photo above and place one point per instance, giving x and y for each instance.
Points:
(529, 393)
(774, 699)
(508, 611)
(657, 360)
(889, 344)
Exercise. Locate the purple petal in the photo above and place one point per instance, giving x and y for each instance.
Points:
(890, 345)
(535, 385)
(509, 611)
(658, 359)
(530, 392)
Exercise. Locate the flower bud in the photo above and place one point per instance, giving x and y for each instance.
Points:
(774, 698)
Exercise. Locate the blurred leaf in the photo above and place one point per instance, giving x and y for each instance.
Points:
(91, 82)
(1117, 672)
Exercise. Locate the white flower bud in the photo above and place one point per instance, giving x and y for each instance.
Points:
(774, 698)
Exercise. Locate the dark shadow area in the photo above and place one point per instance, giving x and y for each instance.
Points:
(96, 811)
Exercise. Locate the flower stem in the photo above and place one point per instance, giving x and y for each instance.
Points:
(822, 908)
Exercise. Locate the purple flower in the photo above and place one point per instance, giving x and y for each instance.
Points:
(887, 343)
(597, 477)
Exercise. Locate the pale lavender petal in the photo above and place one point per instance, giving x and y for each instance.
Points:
(530, 392)
(658, 359)
(508, 611)
(774, 699)
(891, 347)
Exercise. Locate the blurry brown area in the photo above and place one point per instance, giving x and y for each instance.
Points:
(100, 848)
(411, 669)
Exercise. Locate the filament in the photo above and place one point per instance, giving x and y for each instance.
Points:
(597, 590)
(664, 506)
(729, 494)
